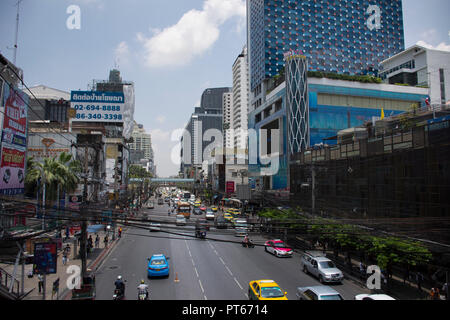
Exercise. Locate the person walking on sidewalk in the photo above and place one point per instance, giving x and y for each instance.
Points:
(105, 240)
(419, 279)
(40, 282)
(97, 241)
(445, 290)
(64, 258)
(434, 294)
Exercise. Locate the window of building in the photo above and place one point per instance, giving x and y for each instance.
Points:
(442, 80)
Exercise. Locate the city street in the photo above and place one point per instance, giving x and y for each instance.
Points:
(211, 269)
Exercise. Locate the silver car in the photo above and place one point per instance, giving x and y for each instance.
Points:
(321, 267)
(318, 293)
(180, 220)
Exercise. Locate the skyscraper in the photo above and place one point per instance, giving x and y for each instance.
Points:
(346, 36)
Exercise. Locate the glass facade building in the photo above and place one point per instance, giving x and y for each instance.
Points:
(334, 105)
(345, 36)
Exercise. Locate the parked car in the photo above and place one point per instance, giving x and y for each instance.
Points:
(320, 266)
(180, 220)
(220, 222)
(265, 290)
(278, 248)
(318, 293)
(373, 297)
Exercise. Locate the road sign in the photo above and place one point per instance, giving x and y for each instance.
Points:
(45, 257)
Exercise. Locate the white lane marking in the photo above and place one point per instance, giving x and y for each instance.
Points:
(222, 261)
(195, 269)
(229, 271)
(201, 287)
(238, 283)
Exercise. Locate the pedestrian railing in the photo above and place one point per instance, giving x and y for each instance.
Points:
(5, 283)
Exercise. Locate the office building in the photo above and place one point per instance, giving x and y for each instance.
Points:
(345, 37)
(420, 66)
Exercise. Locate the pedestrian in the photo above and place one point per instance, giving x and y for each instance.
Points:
(67, 249)
(434, 294)
(445, 290)
(168, 212)
(419, 279)
(406, 276)
(362, 270)
(64, 258)
(105, 240)
(97, 241)
(41, 282)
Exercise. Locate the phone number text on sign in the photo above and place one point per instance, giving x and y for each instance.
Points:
(98, 106)
(98, 112)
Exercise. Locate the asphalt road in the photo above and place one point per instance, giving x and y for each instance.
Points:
(217, 268)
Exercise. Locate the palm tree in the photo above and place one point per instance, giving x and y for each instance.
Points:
(58, 173)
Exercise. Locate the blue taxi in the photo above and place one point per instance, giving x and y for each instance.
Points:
(158, 266)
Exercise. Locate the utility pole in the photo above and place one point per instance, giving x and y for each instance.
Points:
(83, 213)
(313, 188)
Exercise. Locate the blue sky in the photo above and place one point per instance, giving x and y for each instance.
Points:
(171, 49)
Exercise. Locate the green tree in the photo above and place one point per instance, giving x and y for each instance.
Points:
(60, 174)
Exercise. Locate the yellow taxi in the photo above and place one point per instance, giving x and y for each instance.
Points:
(233, 211)
(265, 290)
(214, 208)
(197, 203)
(228, 216)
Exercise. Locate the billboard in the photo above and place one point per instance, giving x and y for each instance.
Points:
(13, 138)
(97, 106)
(45, 257)
(230, 187)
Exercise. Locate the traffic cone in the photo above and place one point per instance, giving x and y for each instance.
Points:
(176, 277)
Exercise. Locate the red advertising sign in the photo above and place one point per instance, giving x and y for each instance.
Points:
(15, 113)
(13, 136)
(12, 158)
(230, 187)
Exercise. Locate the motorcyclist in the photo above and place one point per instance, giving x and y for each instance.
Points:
(120, 232)
(247, 241)
(143, 288)
(120, 285)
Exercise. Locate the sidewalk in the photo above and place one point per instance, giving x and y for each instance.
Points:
(93, 259)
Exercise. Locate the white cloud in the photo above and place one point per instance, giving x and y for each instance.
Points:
(122, 53)
(442, 46)
(161, 119)
(192, 35)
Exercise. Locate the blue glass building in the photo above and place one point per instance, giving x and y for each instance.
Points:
(334, 105)
(345, 36)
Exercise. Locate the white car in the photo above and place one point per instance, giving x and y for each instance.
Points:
(180, 220)
(373, 297)
(150, 205)
(155, 226)
(210, 215)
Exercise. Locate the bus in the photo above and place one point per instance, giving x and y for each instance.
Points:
(184, 208)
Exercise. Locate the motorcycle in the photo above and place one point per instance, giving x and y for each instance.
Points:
(118, 294)
(142, 296)
(248, 244)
